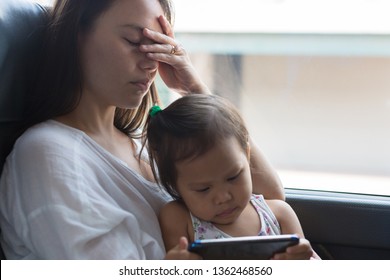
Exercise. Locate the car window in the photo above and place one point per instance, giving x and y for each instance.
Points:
(311, 79)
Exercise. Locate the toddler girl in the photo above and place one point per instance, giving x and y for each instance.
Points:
(199, 152)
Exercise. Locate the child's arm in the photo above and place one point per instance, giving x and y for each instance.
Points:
(290, 224)
(265, 180)
(175, 222)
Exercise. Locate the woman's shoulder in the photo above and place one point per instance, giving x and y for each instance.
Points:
(43, 153)
(45, 143)
(47, 135)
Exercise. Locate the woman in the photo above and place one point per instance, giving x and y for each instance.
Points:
(73, 187)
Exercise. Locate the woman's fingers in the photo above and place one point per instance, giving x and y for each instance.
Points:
(164, 45)
(175, 68)
(166, 26)
(158, 38)
(173, 49)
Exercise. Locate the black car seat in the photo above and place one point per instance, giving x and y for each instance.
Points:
(22, 25)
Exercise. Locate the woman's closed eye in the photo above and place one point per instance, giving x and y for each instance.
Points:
(132, 43)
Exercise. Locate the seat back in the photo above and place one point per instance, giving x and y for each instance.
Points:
(22, 25)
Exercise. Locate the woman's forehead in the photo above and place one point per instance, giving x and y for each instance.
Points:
(135, 13)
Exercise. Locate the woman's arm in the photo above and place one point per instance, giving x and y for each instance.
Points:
(264, 178)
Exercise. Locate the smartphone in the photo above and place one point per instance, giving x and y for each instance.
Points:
(243, 248)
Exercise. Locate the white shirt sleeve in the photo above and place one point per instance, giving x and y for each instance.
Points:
(62, 197)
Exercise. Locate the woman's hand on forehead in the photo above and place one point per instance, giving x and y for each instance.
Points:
(176, 69)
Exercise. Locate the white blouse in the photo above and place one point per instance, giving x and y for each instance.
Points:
(62, 196)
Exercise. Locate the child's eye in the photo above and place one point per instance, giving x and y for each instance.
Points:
(203, 190)
(234, 177)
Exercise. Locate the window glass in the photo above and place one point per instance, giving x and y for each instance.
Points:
(311, 78)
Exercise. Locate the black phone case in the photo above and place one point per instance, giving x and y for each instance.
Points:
(243, 248)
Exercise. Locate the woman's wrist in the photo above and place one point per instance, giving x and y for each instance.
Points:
(199, 88)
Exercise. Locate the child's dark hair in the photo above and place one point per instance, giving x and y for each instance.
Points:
(188, 128)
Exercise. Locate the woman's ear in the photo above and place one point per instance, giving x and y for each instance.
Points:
(248, 150)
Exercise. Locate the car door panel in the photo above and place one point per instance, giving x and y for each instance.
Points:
(344, 226)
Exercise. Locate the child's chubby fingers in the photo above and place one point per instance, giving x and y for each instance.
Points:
(180, 252)
(182, 255)
(183, 243)
(302, 247)
(301, 251)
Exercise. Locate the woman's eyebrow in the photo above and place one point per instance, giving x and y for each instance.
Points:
(132, 26)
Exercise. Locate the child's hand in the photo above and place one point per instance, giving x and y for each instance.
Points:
(301, 251)
(180, 252)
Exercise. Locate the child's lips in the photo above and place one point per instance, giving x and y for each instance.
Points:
(227, 212)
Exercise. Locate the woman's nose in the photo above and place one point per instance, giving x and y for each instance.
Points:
(148, 64)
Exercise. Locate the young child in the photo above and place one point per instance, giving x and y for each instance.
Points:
(199, 152)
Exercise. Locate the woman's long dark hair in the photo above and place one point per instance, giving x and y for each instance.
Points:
(57, 91)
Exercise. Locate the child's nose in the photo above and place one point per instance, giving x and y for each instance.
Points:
(222, 197)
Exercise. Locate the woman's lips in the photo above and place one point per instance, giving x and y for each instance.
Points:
(142, 85)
